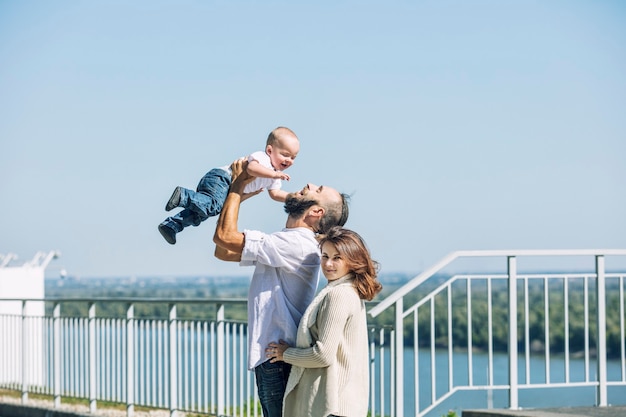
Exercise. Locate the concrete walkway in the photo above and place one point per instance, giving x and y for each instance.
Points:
(611, 411)
(10, 406)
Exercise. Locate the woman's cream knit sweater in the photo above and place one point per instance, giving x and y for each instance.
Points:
(330, 373)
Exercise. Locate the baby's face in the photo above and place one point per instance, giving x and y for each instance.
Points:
(283, 153)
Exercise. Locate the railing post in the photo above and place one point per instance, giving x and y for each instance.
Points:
(399, 354)
(92, 358)
(25, 360)
(130, 360)
(513, 380)
(601, 344)
(221, 372)
(173, 361)
(56, 364)
(372, 380)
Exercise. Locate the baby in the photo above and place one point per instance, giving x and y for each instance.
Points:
(267, 166)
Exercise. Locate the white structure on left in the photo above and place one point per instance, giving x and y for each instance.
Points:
(23, 318)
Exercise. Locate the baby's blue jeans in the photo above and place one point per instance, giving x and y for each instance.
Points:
(205, 202)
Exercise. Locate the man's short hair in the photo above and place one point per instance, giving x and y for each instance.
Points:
(336, 214)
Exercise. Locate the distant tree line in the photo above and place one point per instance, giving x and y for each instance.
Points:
(500, 315)
(143, 310)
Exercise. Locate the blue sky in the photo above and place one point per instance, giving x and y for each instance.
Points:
(454, 125)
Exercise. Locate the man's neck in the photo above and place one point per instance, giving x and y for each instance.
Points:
(298, 222)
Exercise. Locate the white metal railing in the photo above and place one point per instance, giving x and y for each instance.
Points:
(179, 364)
(518, 288)
(172, 363)
(417, 365)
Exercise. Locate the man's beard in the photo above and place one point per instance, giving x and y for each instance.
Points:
(296, 206)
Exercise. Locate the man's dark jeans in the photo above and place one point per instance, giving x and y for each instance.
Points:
(271, 381)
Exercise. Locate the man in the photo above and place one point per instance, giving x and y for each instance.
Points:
(285, 276)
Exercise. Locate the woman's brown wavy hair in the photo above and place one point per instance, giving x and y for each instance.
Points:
(358, 259)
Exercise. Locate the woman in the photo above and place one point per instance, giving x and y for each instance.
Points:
(330, 373)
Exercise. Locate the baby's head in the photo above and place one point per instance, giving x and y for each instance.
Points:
(282, 147)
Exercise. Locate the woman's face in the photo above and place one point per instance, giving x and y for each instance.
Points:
(334, 266)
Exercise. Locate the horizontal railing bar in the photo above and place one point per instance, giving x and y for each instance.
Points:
(135, 300)
(559, 385)
(442, 287)
(541, 252)
(405, 289)
(419, 279)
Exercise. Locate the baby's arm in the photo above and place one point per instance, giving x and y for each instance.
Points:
(257, 170)
(278, 195)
